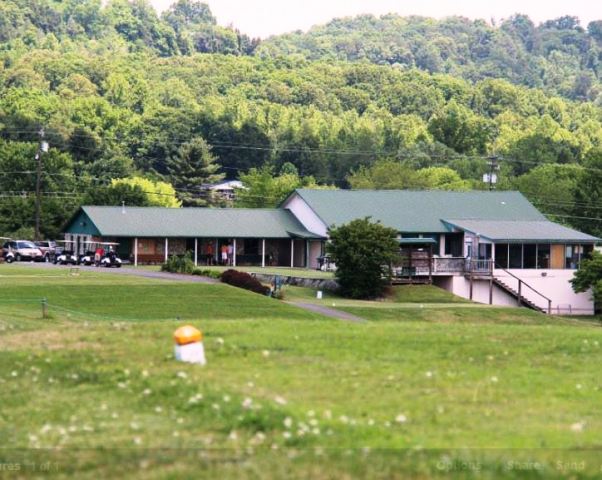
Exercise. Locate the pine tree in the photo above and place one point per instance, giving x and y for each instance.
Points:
(192, 167)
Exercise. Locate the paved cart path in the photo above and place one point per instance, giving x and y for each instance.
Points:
(328, 312)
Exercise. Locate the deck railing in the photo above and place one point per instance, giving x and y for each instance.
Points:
(449, 264)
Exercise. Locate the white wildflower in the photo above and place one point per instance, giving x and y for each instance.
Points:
(226, 398)
(494, 379)
(247, 403)
(137, 440)
(287, 434)
(158, 409)
(401, 418)
(280, 400)
(14, 373)
(219, 341)
(429, 374)
(233, 436)
(311, 413)
(288, 422)
(181, 374)
(147, 391)
(134, 426)
(578, 427)
(266, 353)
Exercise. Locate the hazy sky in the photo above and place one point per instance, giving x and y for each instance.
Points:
(267, 17)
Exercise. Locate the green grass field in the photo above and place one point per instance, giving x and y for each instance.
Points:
(426, 388)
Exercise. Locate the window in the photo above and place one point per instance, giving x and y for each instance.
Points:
(501, 255)
(543, 256)
(484, 251)
(572, 256)
(453, 244)
(515, 256)
(529, 255)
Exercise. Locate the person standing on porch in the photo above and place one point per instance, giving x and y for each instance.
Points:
(230, 254)
(224, 252)
(209, 253)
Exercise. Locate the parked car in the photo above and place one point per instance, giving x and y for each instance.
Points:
(18, 250)
(48, 249)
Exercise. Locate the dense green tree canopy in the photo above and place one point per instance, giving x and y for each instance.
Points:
(123, 92)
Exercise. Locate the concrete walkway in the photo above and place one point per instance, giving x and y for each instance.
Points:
(328, 312)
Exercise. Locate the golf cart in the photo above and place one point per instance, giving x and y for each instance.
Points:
(110, 259)
(106, 249)
(64, 253)
(87, 258)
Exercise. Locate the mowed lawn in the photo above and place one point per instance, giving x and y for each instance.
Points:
(415, 391)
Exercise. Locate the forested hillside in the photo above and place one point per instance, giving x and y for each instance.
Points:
(121, 92)
(559, 55)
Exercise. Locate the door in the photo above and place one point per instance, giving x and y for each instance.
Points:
(557, 257)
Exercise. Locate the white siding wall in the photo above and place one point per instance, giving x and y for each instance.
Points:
(306, 215)
(555, 285)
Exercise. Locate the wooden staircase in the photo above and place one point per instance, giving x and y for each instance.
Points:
(522, 301)
(484, 270)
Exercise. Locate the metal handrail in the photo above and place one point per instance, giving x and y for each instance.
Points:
(522, 282)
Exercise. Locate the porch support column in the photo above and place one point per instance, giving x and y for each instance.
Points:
(234, 253)
(196, 252)
(217, 253)
(263, 253)
(166, 248)
(292, 252)
(307, 244)
(136, 252)
(431, 264)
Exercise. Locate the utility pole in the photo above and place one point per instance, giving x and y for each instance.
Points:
(491, 177)
(43, 148)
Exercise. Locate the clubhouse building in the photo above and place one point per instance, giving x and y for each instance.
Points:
(492, 247)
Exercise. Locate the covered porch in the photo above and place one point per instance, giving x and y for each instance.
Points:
(257, 252)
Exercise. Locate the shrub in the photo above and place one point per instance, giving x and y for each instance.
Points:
(179, 264)
(244, 280)
(363, 252)
(207, 273)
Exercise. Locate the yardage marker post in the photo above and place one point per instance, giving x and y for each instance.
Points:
(44, 308)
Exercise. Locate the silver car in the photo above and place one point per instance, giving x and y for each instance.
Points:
(18, 250)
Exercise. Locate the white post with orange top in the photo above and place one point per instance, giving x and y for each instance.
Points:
(189, 345)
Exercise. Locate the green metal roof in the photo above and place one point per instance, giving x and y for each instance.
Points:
(189, 222)
(417, 211)
(522, 231)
